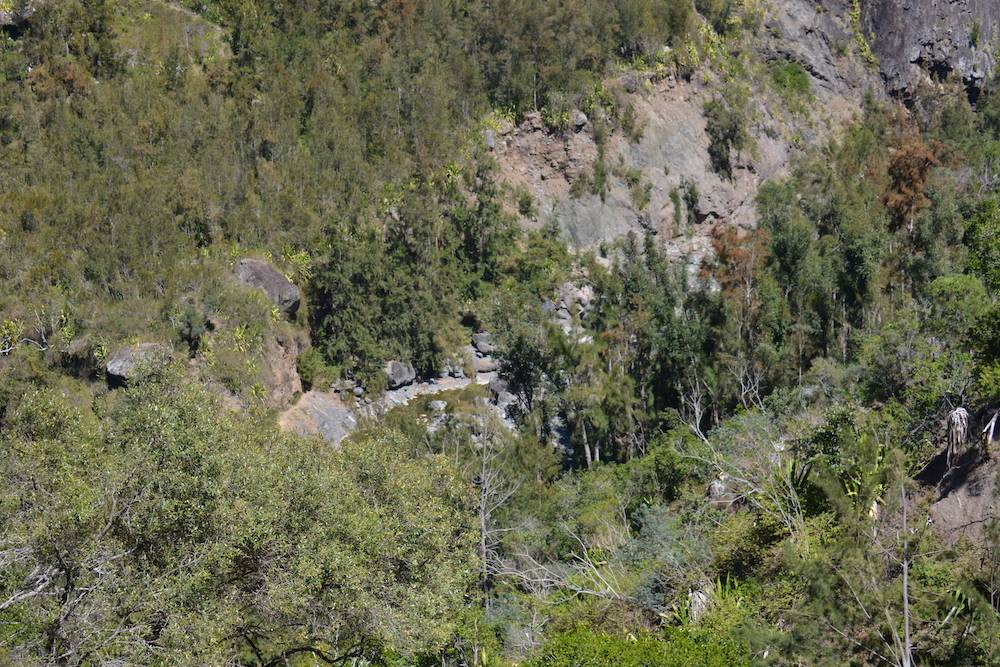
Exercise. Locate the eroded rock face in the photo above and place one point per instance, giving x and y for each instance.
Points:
(280, 290)
(20, 14)
(969, 499)
(919, 39)
(281, 375)
(131, 363)
(687, 199)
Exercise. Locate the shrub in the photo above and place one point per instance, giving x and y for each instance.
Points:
(631, 125)
(675, 199)
(599, 182)
(526, 204)
(791, 81)
(584, 648)
(314, 370)
(726, 119)
(690, 200)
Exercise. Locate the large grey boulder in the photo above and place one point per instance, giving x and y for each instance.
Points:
(320, 413)
(485, 364)
(136, 361)
(399, 374)
(260, 275)
(500, 393)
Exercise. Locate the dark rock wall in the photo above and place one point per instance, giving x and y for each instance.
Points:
(917, 40)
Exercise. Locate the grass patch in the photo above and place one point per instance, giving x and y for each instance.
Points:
(791, 81)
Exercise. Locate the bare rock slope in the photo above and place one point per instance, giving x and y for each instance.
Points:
(672, 155)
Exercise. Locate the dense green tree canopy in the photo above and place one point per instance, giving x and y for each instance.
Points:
(157, 532)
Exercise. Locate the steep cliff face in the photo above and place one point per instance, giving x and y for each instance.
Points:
(919, 40)
(889, 48)
(665, 182)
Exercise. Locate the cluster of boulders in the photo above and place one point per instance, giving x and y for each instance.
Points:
(481, 352)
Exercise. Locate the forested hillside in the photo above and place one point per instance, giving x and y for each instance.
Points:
(568, 333)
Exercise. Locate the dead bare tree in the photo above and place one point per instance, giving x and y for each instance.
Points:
(958, 432)
(695, 396)
(12, 334)
(757, 468)
(989, 430)
(495, 489)
(749, 378)
(578, 573)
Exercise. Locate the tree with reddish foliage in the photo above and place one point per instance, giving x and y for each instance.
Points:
(740, 257)
(909, 168)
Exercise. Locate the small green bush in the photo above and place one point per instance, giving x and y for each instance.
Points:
(526, 204)
(691, 197)
(599, 182)
(791, 81)
(631, 124)
(675, 199)
(314, 371)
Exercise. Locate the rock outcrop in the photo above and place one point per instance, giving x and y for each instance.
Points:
(131, 363)
(258, 274)
(501, 396)
(321, 413)
(572, 304)
(333, 415)
(399, 374)
(483, 342)
(917, 40)
(280, 370)
(686, 197)
(480, 353)
(20, 14)
(968, 499)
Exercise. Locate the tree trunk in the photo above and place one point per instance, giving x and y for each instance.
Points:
(907, 657)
